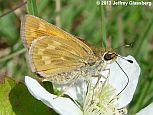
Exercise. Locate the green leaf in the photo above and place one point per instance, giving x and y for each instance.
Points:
(16, 100)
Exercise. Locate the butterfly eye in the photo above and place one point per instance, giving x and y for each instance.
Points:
(108, 56)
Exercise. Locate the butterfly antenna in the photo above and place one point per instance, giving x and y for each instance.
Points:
(125, 45)
(127, 79)
(125, 59)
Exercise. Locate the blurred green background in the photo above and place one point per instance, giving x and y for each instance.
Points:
(118, 25)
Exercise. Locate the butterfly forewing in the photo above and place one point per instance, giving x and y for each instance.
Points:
(33, 27)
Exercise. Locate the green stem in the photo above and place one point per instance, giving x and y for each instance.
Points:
(138, 46)
(12, 10)
(32, 7)
(12, 55)
(138, 105)
(151, 84)
(103, 26)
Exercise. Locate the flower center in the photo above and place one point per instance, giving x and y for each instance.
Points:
(101, 100)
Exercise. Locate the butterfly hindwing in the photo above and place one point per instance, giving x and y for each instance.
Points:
(50, 55)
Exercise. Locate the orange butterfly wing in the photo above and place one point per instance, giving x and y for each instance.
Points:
(52, 50)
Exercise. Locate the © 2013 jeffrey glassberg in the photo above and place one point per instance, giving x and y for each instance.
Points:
(124, 3)
(132, 3)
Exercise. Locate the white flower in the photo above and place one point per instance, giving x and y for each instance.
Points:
(104, 99)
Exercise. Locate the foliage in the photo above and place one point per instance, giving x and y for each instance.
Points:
(16, 100)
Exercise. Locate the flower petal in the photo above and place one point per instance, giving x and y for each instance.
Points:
(146, 111)
(61, 105)
(119, 80)
(76, 91)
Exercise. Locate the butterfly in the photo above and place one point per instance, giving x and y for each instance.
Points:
(58, 56)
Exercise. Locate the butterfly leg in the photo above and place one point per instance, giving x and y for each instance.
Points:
(99, 78)
(107, 77)
(107, 74)
(102, 76)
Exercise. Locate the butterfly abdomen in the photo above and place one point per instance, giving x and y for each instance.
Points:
(65, 77)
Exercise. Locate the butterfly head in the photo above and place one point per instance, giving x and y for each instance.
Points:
(109, 55)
